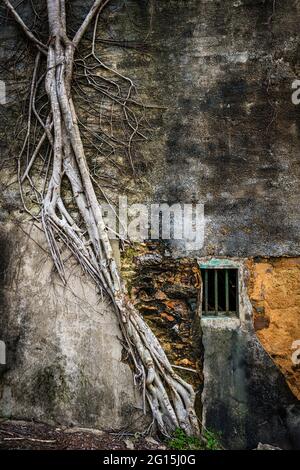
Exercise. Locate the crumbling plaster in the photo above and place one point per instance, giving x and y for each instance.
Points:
(245, 396)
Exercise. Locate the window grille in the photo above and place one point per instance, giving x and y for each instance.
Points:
(220, 292)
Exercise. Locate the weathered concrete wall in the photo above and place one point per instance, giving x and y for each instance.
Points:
(245, 397)
(229, 137)
(166, 291)
(64, 357)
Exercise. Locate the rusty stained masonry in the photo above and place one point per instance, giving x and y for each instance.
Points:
(274, 291)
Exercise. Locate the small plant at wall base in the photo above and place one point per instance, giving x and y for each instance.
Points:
(181, 441)
(212, 440)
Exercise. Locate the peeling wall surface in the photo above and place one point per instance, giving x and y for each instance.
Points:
(275, 296)
(166, 291)
(229, 136)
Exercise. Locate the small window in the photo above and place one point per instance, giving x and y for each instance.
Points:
(220, 292)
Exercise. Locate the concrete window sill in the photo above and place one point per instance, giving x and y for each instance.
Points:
(226, 323)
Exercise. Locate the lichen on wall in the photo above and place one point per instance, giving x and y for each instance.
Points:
(275, 294)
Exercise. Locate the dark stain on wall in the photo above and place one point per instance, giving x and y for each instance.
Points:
(247, 399)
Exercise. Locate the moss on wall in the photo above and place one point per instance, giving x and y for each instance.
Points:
(165, 291)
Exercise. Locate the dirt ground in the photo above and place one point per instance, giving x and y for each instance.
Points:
(32, 435)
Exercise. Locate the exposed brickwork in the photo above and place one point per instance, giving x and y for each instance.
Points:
(165, 291)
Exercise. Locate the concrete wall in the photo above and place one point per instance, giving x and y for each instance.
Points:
(228, 137)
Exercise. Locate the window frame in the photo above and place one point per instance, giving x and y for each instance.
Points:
(216, 266)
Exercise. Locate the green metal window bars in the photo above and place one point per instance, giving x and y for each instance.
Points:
(220, 292)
